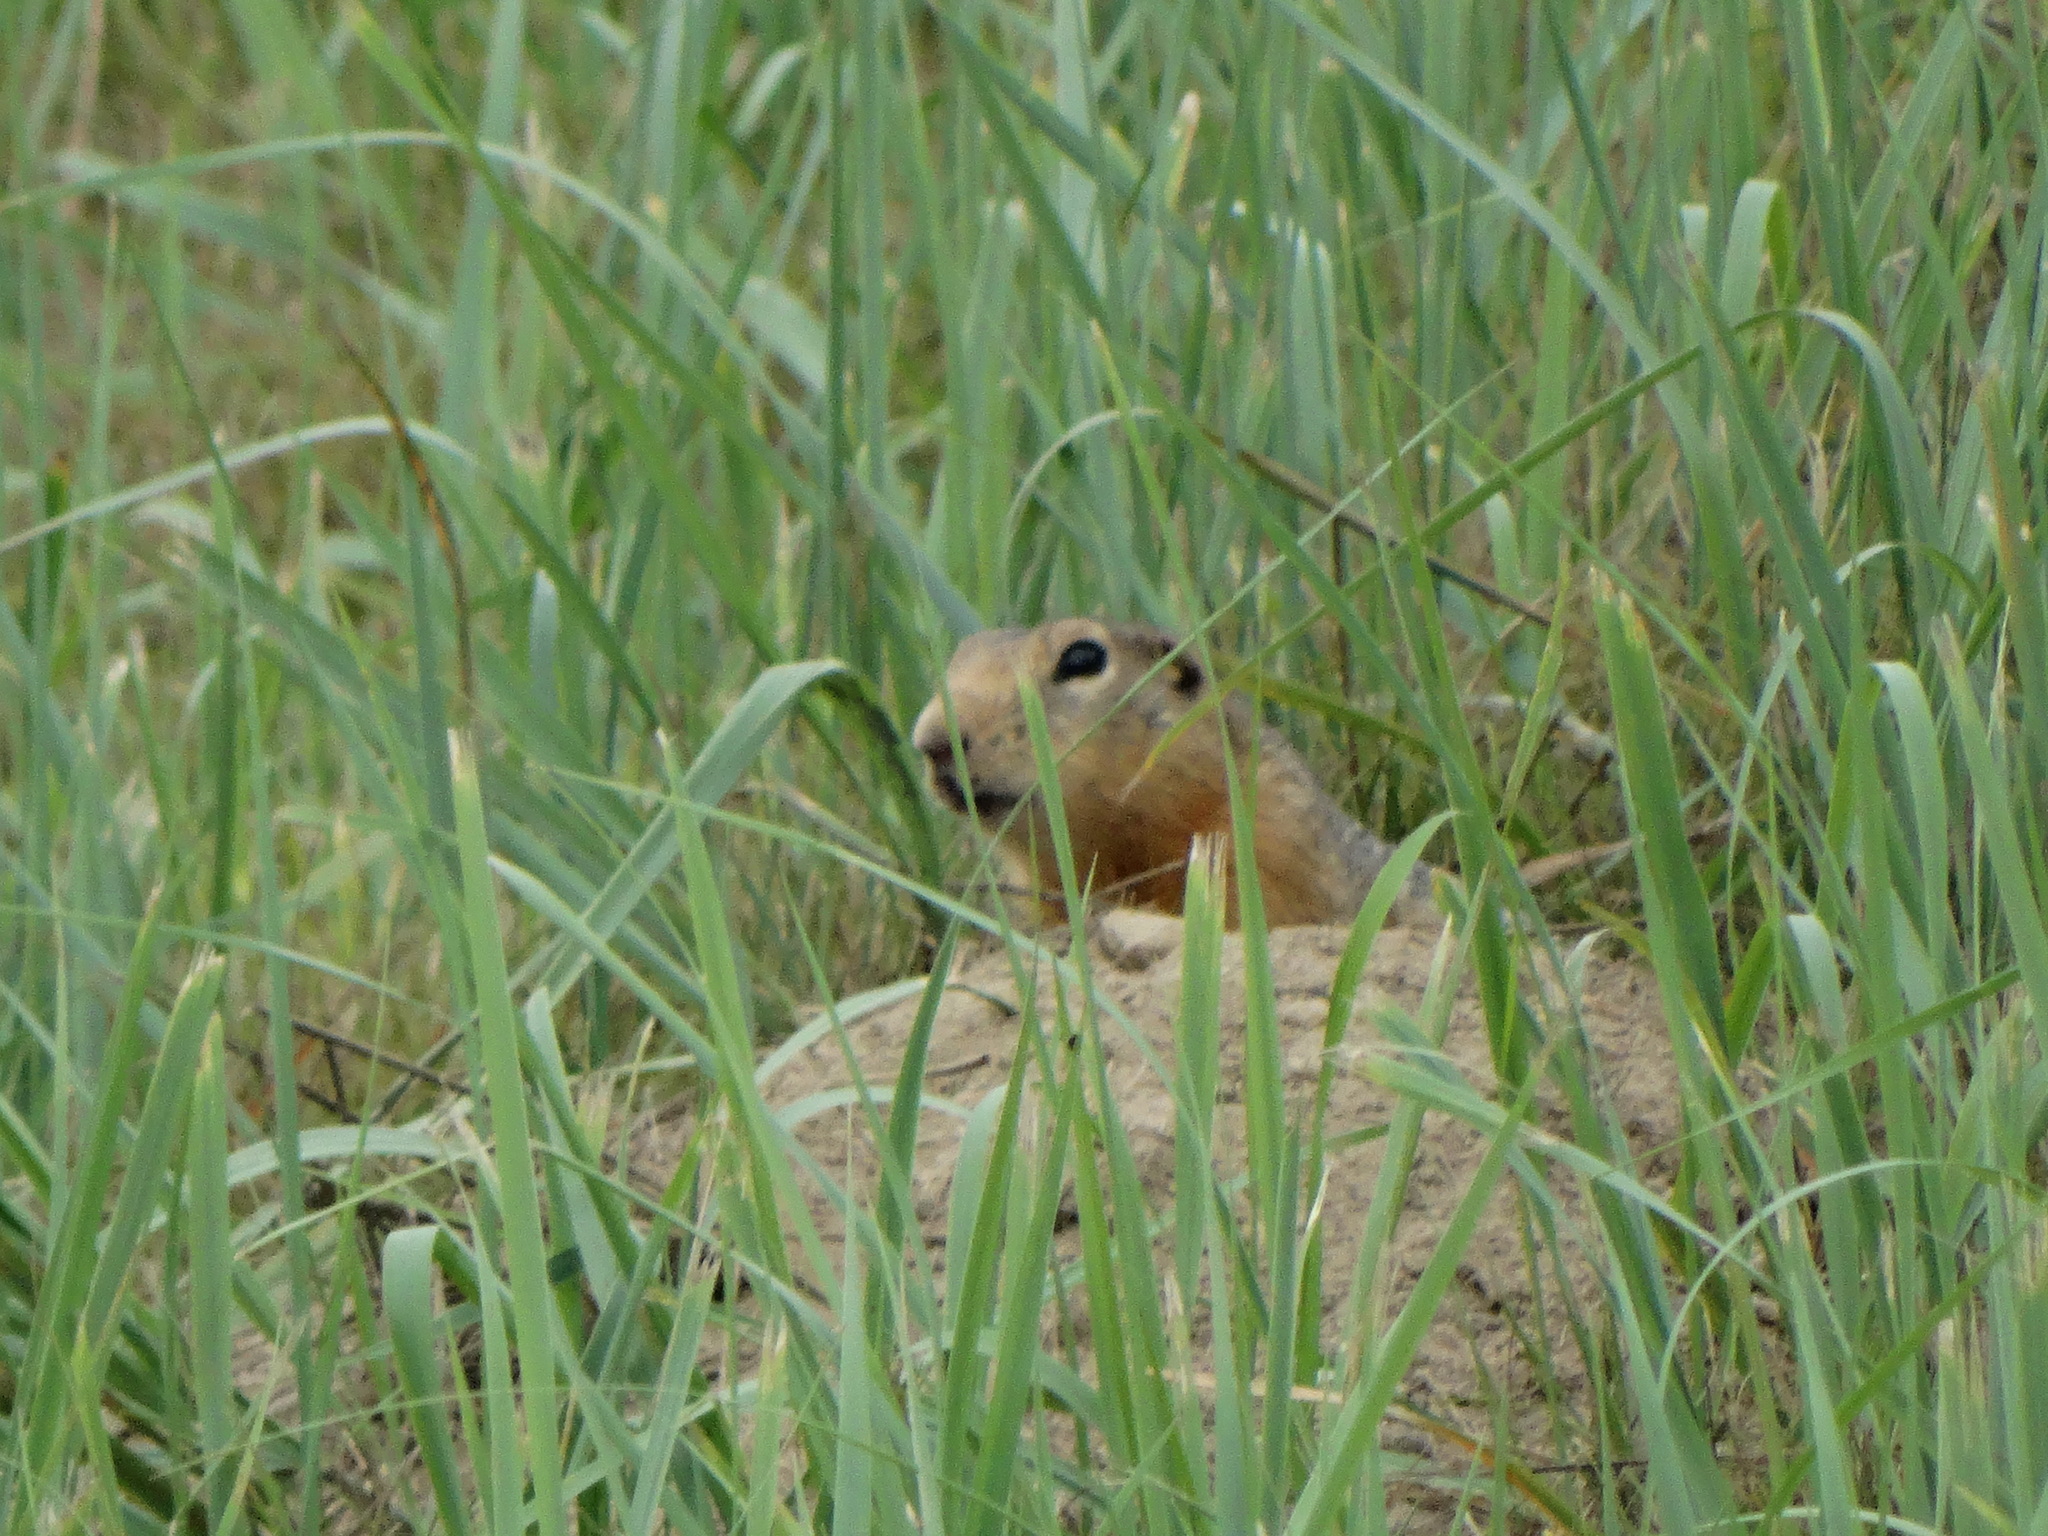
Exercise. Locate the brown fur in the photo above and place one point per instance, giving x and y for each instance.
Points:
(1131, 807)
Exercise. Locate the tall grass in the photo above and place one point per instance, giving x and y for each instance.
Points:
(438, 448)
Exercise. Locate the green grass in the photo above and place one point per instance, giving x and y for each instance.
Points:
(730, 337)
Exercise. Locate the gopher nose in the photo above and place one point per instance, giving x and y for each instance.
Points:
(931, 737)
(940, 752)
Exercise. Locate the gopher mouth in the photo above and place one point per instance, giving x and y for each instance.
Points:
(989, 804)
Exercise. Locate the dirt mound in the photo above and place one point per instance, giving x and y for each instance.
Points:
(1476, 1361)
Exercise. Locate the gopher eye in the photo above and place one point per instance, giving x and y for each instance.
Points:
(1084, 658)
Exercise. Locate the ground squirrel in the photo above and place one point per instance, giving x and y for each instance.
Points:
(1131, 823)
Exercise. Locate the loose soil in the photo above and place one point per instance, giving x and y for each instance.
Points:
(1507, 1351)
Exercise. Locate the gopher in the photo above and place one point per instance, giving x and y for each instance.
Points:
(1112, 692)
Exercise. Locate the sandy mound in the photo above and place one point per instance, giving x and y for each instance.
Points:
(1475, 1361)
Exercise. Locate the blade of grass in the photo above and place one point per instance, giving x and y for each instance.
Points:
(526, 1250)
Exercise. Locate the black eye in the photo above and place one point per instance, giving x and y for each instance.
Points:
(1084, 658)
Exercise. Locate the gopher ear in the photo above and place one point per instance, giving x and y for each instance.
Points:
(1184, 674)
(1143, 640)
